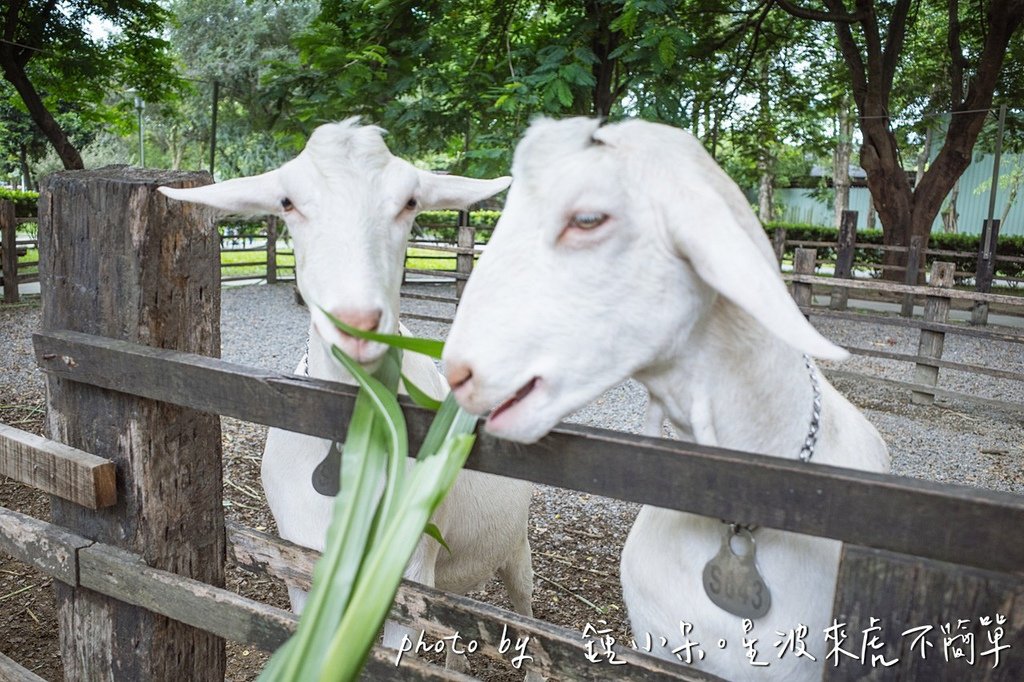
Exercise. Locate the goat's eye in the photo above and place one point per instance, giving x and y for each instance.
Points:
(287, 204)
(411, 204)
(587, 221)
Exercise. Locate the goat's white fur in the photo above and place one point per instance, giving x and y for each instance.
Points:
(679, 289)
(350, 222)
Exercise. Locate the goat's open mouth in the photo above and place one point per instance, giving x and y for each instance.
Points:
(519, 396)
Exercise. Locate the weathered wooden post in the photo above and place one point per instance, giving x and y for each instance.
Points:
(779, 243)
(118, 259)
(464, 258)
(986, 269)
(915, 255)
(936, 309)
(9, 242)
(845, 246)
(804, 261)
(272, 249)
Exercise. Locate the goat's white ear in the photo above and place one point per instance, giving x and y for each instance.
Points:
(454, 191)
(705, 232)
(258, 194)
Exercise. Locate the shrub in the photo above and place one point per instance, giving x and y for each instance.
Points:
(443, 225)
(26, 203)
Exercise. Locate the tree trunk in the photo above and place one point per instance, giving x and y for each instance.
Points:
(26, 171)
(950, 216)
(872, 216)
(603, 43)
(872, 59)
(841, 161)
(890, 189)
(14, 73)
(922, 158)
(766, 189)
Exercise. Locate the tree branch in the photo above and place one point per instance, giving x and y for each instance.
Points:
(956, 56)
(894, 42)
(854, 61)
(817, 15)
(11, 20)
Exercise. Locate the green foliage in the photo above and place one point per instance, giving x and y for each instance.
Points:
(443, 225)
(241, 44)
(26, 203)
(81, 74)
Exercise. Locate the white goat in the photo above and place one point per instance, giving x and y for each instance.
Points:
(624, 250)
(349, 205)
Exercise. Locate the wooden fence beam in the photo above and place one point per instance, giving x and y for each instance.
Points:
(272, 222)
(896, 288)
(986, 268)
(463, 260)
(558, 652)
(10, 671)
(126, 577)
(845, 249)
(57, 469)
(949, 328)
(51, 549)
(845, 504)
(903, 593)
(118, 258)
(779, 243)
(9, 244)
(936, 309)
(912, 273)
(803, 264)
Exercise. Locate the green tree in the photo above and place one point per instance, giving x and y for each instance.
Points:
(462, 79)
(243, 45)
(56, 59)
(886, 47)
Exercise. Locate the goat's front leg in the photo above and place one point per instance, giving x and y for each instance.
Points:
(654, 420)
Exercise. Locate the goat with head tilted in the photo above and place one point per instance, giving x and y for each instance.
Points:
(624, 250)
(349, 205)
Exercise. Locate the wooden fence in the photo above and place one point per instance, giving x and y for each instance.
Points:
(130, 325)
(271, 269)
(933, 328)
(263, 246)
(986, 262)
(13, 272)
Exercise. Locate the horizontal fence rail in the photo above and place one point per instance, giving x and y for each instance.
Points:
(896, 288)
(124, 576)
(556, 651)
(853, 506)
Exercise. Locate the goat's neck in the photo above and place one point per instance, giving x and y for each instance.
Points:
(320, 364)
(732, 384)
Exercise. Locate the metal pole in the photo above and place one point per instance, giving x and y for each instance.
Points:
(987, 237)
(213, 124)
(140, 106)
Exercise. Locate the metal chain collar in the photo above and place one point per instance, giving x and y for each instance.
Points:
(807, 451)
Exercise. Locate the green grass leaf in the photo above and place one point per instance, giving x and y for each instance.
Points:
(429, 347)
(419, 396)
(433, 531)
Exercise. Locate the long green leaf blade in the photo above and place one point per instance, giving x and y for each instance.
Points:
(429, 347)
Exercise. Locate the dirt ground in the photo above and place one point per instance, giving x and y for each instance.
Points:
(576, 538)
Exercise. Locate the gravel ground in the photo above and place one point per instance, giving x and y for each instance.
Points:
(576, 538)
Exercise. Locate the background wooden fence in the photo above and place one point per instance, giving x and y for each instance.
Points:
(133, 389)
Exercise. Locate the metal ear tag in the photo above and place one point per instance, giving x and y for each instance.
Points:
(327, 475)
(732, 581)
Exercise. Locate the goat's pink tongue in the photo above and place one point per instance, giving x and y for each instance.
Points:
(511, 402)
